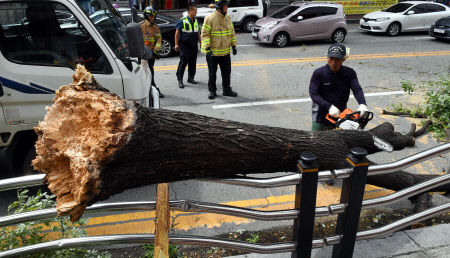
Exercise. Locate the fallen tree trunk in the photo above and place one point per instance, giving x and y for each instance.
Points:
(93, 144)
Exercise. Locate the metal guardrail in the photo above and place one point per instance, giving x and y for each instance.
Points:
(193, 206)
(202, 241)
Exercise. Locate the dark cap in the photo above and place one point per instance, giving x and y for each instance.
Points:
(337, 50)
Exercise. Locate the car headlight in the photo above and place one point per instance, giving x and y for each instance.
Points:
(269, 26)
(382, 19)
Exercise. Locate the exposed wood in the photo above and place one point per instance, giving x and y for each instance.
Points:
(93, 144)
(162, 222)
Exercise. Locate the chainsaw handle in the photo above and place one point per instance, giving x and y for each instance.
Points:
(331, 119)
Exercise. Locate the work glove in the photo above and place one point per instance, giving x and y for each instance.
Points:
(363, 109)
(334, 111)
(234, 51)
(156, 54)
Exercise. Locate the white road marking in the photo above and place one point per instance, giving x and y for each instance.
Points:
(286, 101)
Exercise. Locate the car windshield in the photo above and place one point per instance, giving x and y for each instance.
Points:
(284, 12)
(397, 8)
(108, 22)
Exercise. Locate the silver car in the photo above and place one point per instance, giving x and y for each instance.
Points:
(302, 21)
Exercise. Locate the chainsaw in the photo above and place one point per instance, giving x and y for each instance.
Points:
(353, 120)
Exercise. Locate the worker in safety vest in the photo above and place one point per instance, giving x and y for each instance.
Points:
(218, 38)
(152, 39)
(187, 36)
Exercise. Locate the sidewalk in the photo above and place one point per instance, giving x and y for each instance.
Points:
(421, 243)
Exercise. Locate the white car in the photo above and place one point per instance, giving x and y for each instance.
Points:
(243, 13)
(404, 16)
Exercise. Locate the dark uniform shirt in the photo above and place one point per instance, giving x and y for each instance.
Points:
(328, 88)
(188, 40)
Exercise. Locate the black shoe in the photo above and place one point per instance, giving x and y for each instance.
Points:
(180, 84)
(159, 92)
(192, 81)
(212, 95)
(230, 93)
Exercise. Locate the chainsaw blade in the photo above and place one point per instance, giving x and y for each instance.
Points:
(382, 144)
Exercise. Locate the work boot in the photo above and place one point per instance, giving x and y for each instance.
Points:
(230, 93)
(192, 81)
(180, 84)
(159, 92)
(212, 95)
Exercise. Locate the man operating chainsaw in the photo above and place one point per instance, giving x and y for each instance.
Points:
(330, 89)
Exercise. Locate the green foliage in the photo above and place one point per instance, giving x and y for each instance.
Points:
(254, 238)
(437, 104)
(174, 251)
(30, 233)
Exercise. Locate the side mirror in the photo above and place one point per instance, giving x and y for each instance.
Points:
(410, 12)
(136, 46)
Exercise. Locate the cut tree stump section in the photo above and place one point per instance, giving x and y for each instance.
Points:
(93, 144)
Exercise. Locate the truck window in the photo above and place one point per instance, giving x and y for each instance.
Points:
(108, 22)
(48, 34)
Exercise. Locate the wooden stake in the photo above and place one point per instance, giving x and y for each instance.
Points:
(162, 222)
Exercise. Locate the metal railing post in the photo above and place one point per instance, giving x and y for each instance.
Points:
(304, 225)
(352, 193)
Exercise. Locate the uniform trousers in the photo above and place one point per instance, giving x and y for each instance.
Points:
(225, 69)
(191, 61)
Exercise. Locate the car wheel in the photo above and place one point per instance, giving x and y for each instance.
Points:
(338, 36)
(166, 48)
(281, 39)
(248, 24)
(394, 29)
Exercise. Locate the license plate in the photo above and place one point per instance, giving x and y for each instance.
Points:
(439, 31)
(254, 34)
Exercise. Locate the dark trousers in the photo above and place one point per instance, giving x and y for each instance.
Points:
(191, 61)
(225, 69)
(151, 63)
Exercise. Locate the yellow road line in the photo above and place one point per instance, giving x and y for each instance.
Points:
(313, 59)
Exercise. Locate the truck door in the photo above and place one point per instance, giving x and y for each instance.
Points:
(43, 43)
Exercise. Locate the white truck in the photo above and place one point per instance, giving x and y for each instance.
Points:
(40, 44)
(243, 13)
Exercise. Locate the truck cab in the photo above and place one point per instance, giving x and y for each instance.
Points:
(41, 42)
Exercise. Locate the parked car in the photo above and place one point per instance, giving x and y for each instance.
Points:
(302, 21)
(441, 29)
(166, 24)
(404, 16)
(243, 13)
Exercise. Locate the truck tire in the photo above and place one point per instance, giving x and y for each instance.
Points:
(27, 169)
(248, 24)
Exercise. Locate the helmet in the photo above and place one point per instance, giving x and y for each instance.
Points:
(149, 11)
(220, 3)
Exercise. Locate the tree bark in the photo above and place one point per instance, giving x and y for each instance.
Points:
(93, 144)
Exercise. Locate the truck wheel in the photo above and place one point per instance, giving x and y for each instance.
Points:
(248, 24)
(27, 168)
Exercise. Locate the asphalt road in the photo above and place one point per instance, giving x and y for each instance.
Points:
(273, 90)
